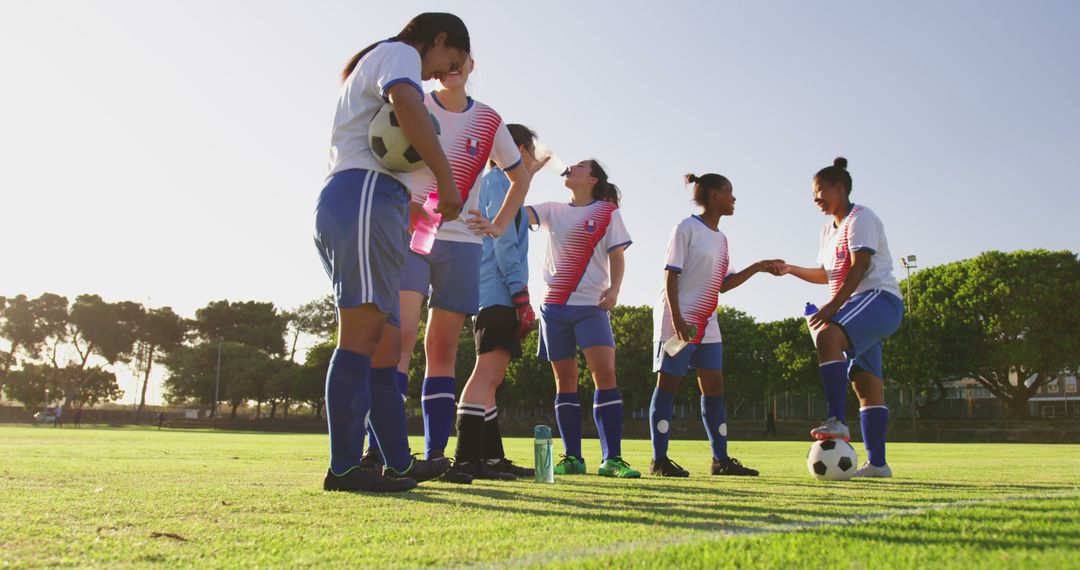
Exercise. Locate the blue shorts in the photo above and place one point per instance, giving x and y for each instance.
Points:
(867, 319)
(695, 356)
(361, 228)
(565, 328)
(450, 274)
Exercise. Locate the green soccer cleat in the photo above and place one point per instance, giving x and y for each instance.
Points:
(616, 467)
(570, 465)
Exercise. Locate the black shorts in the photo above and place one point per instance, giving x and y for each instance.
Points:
(496, 327)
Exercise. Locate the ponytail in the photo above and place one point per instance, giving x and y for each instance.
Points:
(421, 32)
(704, 184)
(603, 190)
(836, 174)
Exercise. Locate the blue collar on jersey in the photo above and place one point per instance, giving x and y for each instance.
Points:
(439, 103)
(698, 218)
(850, 210)
(585, 206)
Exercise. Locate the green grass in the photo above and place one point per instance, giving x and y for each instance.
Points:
(96, 498)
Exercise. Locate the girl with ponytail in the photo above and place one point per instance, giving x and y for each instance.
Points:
(360, 223)
(697, 270)
(583, 272)
(865, 309)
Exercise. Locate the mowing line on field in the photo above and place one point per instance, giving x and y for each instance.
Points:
(683, 539)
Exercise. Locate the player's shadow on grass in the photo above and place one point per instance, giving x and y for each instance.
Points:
(714, 517)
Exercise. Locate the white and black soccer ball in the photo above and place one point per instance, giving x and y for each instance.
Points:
(389, 144)
(831, 460)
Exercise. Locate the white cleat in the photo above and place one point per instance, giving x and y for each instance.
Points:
(831, 428)
(868, 470)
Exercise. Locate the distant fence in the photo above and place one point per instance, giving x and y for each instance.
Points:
(687, 425)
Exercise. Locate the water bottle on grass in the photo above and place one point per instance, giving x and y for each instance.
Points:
(545, 466)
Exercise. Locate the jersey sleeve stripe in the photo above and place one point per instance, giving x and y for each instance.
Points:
(673, 269)
(389, 84)
(623, 245)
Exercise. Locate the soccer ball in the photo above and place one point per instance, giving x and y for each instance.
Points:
(831, 460)
(389, 144)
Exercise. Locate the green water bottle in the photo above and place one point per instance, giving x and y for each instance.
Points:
(545, 466)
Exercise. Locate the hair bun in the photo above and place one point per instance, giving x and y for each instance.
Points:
(841, 162)
(691, 179)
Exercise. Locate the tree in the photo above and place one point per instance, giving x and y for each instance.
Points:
(88, 386)
(159, 332)
(34, 386)
(748, 357)
(309, 382)
(632, 327)
(250, 322)
(193, 374)
(317, 318)
(94, 327)
(1008, 320)
(794, 358)
(28, 323)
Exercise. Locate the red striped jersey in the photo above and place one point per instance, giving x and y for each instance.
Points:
(699, 254)
(579, 238)
(469, 139)
(861, 230)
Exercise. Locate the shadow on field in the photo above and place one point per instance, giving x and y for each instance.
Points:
(692, 505)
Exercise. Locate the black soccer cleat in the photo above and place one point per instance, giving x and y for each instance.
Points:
(732, 466)
(479, 470)
(421, 469)
(665, 467)
(506, 466)
(372, 460)
(366, 481)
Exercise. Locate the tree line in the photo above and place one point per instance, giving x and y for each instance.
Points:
(1009, 321)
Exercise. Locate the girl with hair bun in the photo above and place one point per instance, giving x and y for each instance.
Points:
(697, 270)
(583, 271)
(865, 309)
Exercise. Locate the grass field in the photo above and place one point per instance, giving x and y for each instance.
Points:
(135, 498)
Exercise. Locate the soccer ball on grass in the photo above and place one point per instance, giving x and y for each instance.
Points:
(831, 460)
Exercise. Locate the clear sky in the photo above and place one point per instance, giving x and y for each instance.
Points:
(170, 153)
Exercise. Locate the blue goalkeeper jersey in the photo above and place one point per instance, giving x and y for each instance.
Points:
(504, 265)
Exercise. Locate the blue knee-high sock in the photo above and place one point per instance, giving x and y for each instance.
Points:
(388, 421)
(348, 399)
(660, 421)
(875, 422)
(607, 413)
(403, 386)
(834, 381)
(439, 409)
(714, 416)
(568, 418)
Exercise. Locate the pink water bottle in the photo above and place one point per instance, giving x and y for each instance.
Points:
(423, 237)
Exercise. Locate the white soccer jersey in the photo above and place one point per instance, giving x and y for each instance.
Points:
(469, 139)
(861, 230)
(699, 254)
(362, 95)
(579, 239)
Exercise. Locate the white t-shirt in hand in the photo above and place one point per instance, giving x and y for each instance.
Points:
(362, 95)
(861, 230)
(469, 139)
(579, 239)
(699, 254)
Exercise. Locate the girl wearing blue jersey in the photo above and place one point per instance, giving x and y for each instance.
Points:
(360, 223)
(697, 270)
(864, 310)
(505, 317)
(447, 275)
(583, 272)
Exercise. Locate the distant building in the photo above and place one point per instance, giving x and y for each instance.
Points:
(1058, 398)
